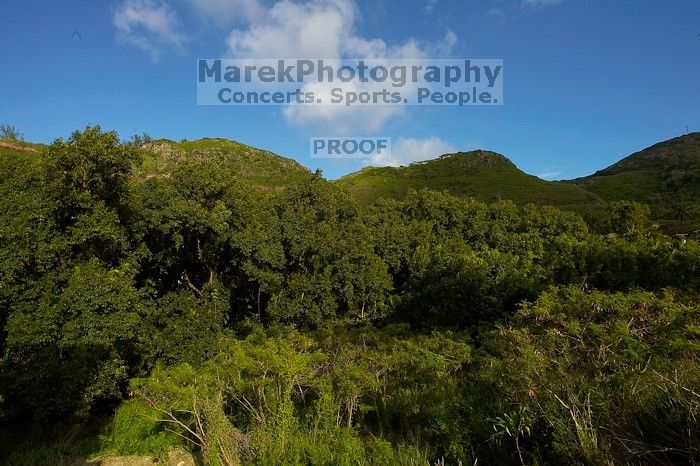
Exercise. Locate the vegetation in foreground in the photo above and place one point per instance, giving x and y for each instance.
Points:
(189, 308)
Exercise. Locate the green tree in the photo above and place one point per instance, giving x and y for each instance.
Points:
(324, 262)
(73, 341)
(10, 133)
(90, 168)
(629, 217)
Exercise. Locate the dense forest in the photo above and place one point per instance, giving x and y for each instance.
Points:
(152, 301)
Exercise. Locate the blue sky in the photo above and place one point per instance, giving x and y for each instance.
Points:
(586, 81)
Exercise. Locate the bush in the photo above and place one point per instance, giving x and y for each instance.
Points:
(605, 377)
(137, 430)
(10, 133)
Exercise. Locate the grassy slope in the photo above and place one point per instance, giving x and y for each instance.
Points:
(263, 169)
(7, 146)
(16, 159)
(666, 176)
(481, 174)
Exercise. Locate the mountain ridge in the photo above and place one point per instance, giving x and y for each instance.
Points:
(485, 175)
(665, 175)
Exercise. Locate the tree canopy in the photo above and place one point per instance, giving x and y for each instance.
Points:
(295, 326)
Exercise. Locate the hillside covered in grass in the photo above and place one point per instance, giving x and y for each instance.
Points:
(666, 176)
(483, 175)
(262, 169)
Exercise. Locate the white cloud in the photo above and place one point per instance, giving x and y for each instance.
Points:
(550, 173)
(285, 29)
(148, 25)
(325, 29)
(495, 11)
(541, 3)
(408, 150)
(340, 120)
(321, 29)
(224, 12)
(296, 30)
(506, 10)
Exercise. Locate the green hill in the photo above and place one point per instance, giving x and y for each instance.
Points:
(17, 159)
(8, 147)
(484, 175)
(263, 169)
(666, 176)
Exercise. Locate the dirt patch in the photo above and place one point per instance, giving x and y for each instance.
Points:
(126, 461)
(17, 146)
(175, 457)
(165, 152)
